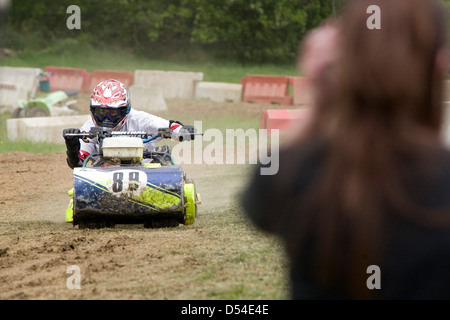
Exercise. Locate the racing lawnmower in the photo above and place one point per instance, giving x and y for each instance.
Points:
(125, 184)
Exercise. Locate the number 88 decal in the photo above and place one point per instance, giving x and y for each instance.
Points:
(130, 182)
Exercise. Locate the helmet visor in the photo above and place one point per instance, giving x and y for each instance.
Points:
(105, 115)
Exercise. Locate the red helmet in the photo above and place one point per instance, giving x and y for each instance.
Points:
(110, 103)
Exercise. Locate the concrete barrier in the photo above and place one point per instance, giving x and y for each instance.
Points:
(42, 129)
(149, 99)
(17, 83)
(24, 77)
(174, 84)
(126, 77)
(9, 96)
(218, 91)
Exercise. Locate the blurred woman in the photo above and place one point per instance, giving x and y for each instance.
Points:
(363, 203)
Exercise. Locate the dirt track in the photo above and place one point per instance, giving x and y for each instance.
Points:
(219, 257)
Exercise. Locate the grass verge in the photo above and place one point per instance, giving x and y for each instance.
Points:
(7, 145)
(92, 58)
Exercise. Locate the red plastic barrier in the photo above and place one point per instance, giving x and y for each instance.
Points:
(266, 89)
(97, 76)
(283, 119)
(87, 83)
(68, 78)
(301, 88)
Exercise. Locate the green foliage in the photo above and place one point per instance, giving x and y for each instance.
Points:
(244, 30)
(256, 30)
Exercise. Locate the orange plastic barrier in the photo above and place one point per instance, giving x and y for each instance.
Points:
(97, 76)
(283, 119)
(68, 79)
(301, 88)
(266, 89)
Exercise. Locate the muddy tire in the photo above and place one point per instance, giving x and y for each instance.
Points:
(36, 112)
(17, 113)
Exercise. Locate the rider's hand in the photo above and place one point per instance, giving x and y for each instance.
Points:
(73, 147)
(71, 141)
(71, 131)
(187, 133)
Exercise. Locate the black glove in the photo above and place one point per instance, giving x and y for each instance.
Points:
(73, 147)
(187, 133)
(72, 142)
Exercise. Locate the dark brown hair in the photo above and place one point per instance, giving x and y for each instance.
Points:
(386, 109)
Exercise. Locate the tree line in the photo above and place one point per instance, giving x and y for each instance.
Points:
(258, 31)
(244, 30)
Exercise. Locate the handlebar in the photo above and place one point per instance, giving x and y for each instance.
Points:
(101, 133)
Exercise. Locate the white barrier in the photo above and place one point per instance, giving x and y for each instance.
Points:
(174, 84)
(9, 95)
(218, 91)
(149, 99)
(42, 129)
(17, 83)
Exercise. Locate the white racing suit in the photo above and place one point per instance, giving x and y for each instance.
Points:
(135, 121)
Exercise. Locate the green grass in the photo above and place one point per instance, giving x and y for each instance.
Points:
(71, 53)
(31, 147)
(214, 121)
